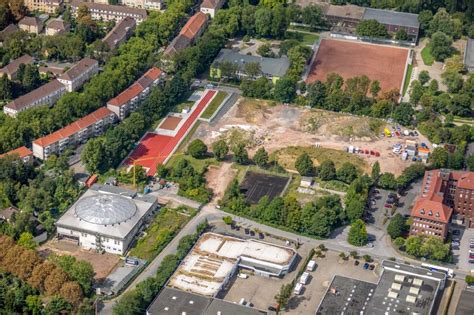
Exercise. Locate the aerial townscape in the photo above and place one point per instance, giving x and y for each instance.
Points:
(235, 157)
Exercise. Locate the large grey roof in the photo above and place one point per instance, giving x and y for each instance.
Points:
(105, 209)
(276, 67)
(469, 54)
(392, 17)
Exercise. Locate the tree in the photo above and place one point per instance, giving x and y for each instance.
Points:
(18, 9)
(54, 281)
(425, 17)
(347, 173)
(26, 240)
(424, 77)
(312, 15)
(355, 209)
(71, 292)
(401, 34)
(439, 158)
(304, 165)
(443, 22)
(220, 149)
(357, 234)
(93, 155)
(440, 46)
(228, 69)
(327, 170)
(241, 155)
(284, 295)
(265, 50)
(253, 69)
(453, 80)
(372, 28)
(403, 114)
(261, 157)
(413, 245)
(375, 171)
(285, 90)
(399, 242)
(31, 78)
(397, 226)
(375, 88)
(387, 181)
(316, 94)
(197, 149)
(6, 88)
(470, 162)
(263, 22)
(5, 16)
(454, 63)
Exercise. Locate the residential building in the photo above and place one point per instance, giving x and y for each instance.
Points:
(131, 98)
(172, 301)
(7, 31)
(227, 254)
(46, 6)
(143, 4)
(108, 12)
(211, 6)
(11, 70)
(47, 94)
(31, 24)
(106, 218)
(7, 214)
(395, 21)
(74, 78)
(444, 192)
(401, 289)
(56, 26)
(188, 34)
(344, 15)
(120, 33)
(271, 68)
(25, 154)
(74, 134)
(469, 55)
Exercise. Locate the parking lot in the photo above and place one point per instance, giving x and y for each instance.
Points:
(461, 253)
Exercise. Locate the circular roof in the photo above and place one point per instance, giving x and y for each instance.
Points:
(105, 209)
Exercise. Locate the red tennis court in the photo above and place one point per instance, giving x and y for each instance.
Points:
(154, 149)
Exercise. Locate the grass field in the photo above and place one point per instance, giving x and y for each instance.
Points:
(287, 157)
(407, 79)
(305, 38)
(428, 59)
(164, 227)
(215, 103)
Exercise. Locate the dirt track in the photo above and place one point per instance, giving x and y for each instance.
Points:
(276, 127)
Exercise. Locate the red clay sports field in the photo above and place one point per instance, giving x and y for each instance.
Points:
(154, 148)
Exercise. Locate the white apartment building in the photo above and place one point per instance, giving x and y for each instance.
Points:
(106, 12)
(143, 4)
(47, 94)
(106, 218)
(78, 132)
(131, 98)
(74, 78)
(211, 6)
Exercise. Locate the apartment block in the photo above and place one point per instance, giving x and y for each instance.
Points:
(211, 6)
(120, 33)
(106, 12)
(143, 4)
(25, 154)
(188, 34)
(31, 24)
(47, 94)
(130, 99)
(56, 26)
(46, 6)
(74, 134)
(11, 70)
(74, 78)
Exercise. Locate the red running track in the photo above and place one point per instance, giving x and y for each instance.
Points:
(154, 149)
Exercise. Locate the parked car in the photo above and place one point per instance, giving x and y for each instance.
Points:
(242, 276)
(252, 233)
(471, 261)
(247, 231)
(387, 205)
(371, 267)
(261, 236)
(455, 243)
(366, 266)
(356, 262)
(370, 245)
(456, 232)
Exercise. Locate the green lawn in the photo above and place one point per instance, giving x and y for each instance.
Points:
(305, 38)
(212, 107)
(165, 226)
(407, 78)
(428, 59)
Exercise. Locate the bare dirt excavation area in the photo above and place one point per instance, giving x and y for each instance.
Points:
(289, 131)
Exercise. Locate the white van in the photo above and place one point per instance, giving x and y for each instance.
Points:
(304, 278)
(298, 289)
(311, 265)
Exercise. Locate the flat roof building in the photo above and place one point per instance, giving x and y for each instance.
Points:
(11, 69)
(47, 94)
(120, 33)
(73, 134)
(215, 258)
(74, 78)
(395, 21)
(106, 218)
(132, 97)
(469, 55)
(271, 68)
(175, 302)
(401, 289)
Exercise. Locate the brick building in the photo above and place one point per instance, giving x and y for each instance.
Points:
(444, 193)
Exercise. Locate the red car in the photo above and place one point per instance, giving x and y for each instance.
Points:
(397, 133)
(388, 206)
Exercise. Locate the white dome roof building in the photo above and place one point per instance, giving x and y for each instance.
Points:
(106, 218)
